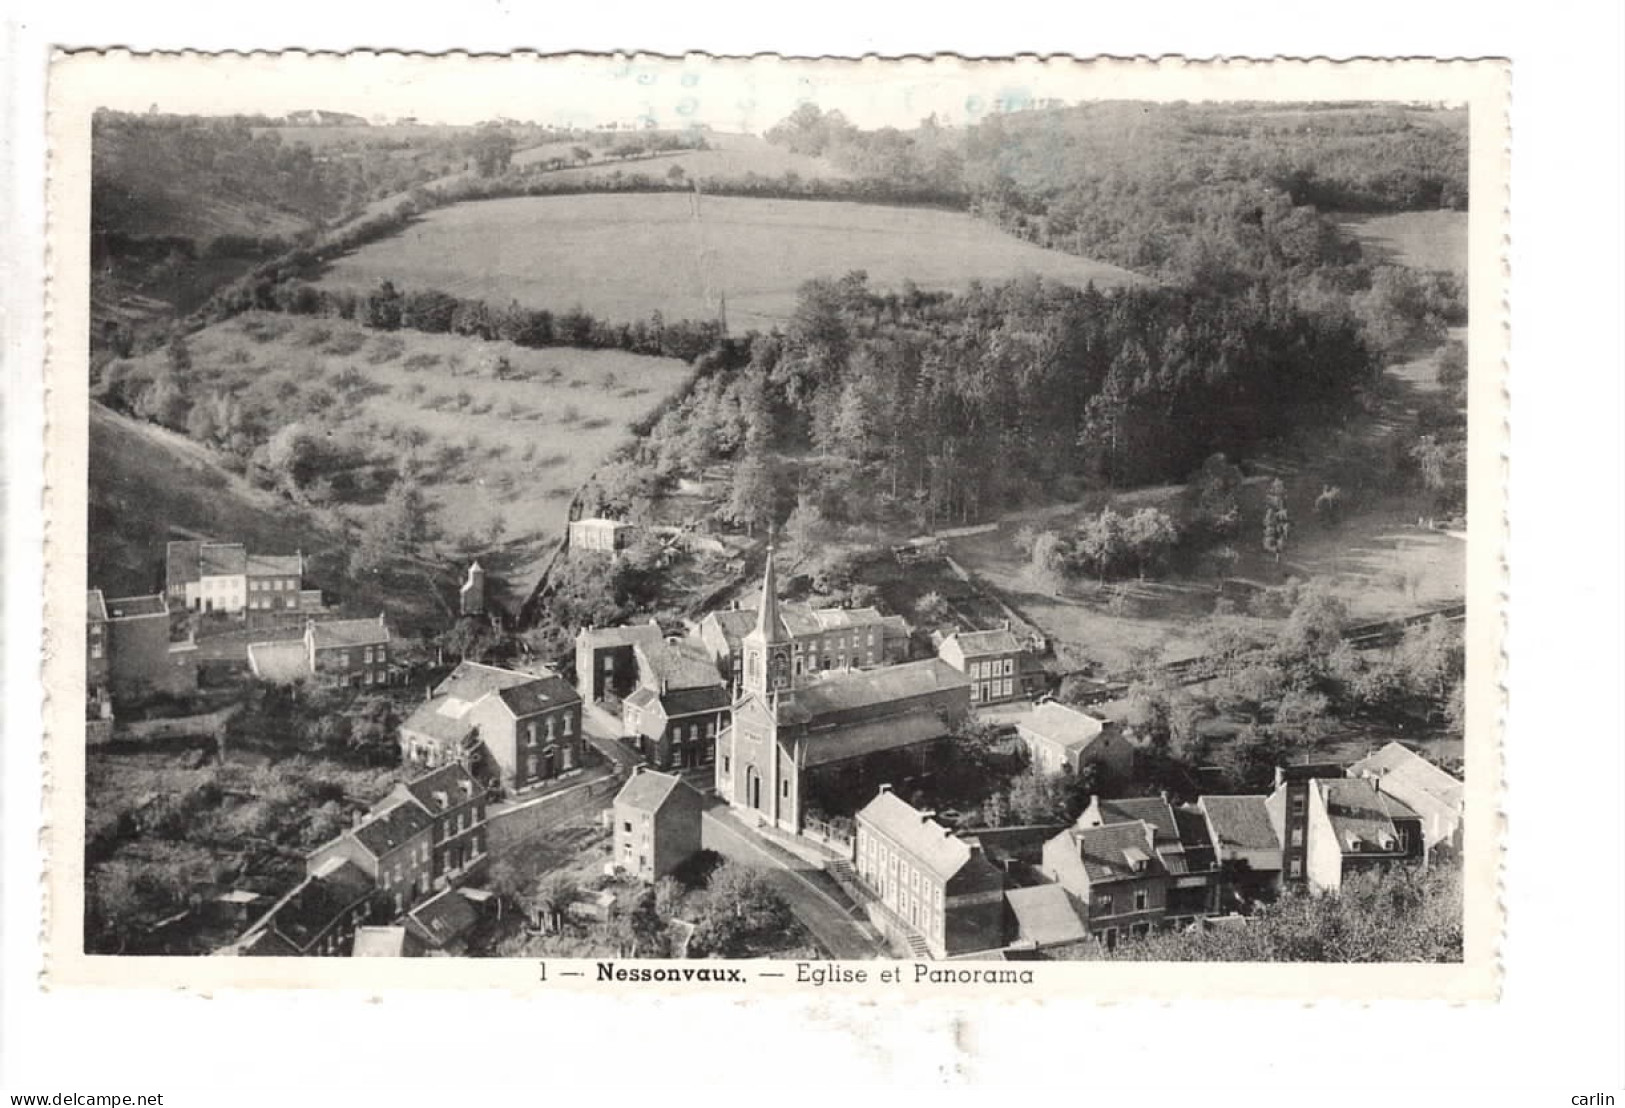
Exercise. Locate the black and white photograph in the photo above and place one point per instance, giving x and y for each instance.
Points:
(685, 510)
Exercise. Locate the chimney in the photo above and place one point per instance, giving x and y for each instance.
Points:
(357, 818)
(886, 788)
(927, 816)
(381, 619)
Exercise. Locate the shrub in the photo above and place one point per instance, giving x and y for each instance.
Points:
(385, 348)
(346, 343)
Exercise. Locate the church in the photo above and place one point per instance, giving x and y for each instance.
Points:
(804, 743)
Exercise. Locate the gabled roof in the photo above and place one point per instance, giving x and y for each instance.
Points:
(472, 680)
(932, 845)
(598, 638)
(691, 702)
(1153, 810)
(649, 791)
(976, 643)
(315, 904)
(451, 779)
(131, 607)
(379, 942)
(1359, 812)
(95, 607)
(870, 694)
(1241, 822)
(677, 665)
(1110, 852)
(222, 559)
(442, 918)
(349, 632)
(1403, 771)
(436, 720)
(282, 662)
(733, 623)
(1045, 916)
(391, 827)
(838, 619)
(275, 565)
(1062, 725)
(894, 627)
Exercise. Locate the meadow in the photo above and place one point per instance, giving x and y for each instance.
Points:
(502, 436)
(623, 257)
(1422, 240)
(729, 157)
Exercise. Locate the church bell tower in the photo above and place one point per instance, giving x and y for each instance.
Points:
(767, 646)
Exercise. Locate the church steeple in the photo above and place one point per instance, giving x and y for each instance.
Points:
(767, 646)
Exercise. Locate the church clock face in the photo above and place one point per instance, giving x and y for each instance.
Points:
(778, 669)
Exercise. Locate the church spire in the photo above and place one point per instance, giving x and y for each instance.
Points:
(768, 624)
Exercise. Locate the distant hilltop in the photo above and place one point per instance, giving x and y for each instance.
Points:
(311, 117)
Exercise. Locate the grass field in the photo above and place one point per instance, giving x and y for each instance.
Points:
(624, 256)
(1423, 240)
(514, 449)
(729, 157)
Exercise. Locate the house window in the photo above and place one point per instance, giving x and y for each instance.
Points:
(1295, 868)
(1009, 687)
(1009, 666)
(726, 764)
(1297, 836)
(1297, 804)
(366, 655)
(568, 724)
(1140, 899)
(785, 791)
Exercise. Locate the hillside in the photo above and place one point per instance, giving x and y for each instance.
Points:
(624, 256)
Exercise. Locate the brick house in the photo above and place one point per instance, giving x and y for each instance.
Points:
(927, 881)
(657, 824)
(679, 707)
(1135, 864)
(128, 650)
(318, 917)
(820, 639)
(1247, 843)
(424, 835)
(1059, 737)
(996, 663)
(274, 582)
(350, 652)
(606, 659)
(520, 729)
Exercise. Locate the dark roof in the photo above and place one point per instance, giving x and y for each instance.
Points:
(390, 827)
(689, 702)
(1359, 812)
(678, 665)
(1241, 822)
(1109, 852)
(862, 737)
(442, 918)
(870, 694)
(129, 607)
(275, 565)
(928, 842)
(222, 559)
(95, 606)
(472, 680)
(317, 902)
(648, 791)
(181, 561)
(637, 634)
(1152, 809)
(1045, 916)
(453, 780)
(539, 694)
(1193, 836)
(349, 632)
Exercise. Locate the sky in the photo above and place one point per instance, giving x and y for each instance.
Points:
(586, 91)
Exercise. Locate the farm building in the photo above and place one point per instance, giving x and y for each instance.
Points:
(1058, 737)
(604, 535)
(657, 824)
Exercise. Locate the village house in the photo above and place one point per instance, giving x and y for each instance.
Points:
(518, 729)
(424, 835)
(392, 941)
(821, 640)
(792, 750)
(440, 924)
(1062, 738)
(348, 652)
(1247, 844)
(932, 889)
(603, 535)
(606, 659)
(471, 594)
(318, 917)
(1042, 921)
(678, 708)
(275, 582)
(1334, 826)
(1424, 788)
(657, 824)
(128, 650)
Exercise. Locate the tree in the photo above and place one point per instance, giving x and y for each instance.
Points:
(1218, 504)
(1150, 534)
(1047, 564)
(470, 638)
(492, 149)
(555, 895)
(396, 530)
(676, 175)
(1101, 541)
(1277, 521)
(738, 913)
(751, 498)
(1329, 506)
(931, 610)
